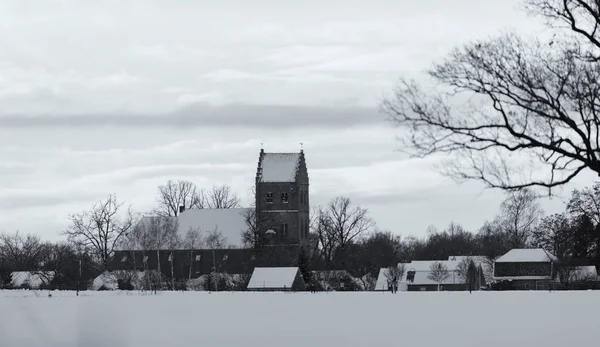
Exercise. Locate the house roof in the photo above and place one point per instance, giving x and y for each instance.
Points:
(382, 281)
(272, 277)
(422, 278)
(526, 255)
(34, 279)
(425, 265)
(230, 221)
(480, 260)
(279, 167)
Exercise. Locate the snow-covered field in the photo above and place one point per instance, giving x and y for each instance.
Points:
(114, 319)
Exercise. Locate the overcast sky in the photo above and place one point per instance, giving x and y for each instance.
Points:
(111, 96)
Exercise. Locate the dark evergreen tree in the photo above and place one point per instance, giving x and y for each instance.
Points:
(304, 266)
(583, 237)
(5, 276)
(472, 277)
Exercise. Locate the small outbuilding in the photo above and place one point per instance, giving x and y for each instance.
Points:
(276, 279)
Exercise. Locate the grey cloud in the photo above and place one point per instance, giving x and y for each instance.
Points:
(203, 115)
(45, 198)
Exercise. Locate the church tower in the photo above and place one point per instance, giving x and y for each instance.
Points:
(282, 197)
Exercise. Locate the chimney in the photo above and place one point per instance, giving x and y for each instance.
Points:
(181, 208)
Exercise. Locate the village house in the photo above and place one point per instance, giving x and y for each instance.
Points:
(417, 276)
(280, 215)
(526, 269)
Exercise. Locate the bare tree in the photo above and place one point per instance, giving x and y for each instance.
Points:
(221, 197)
(438, 272)
(193, 240)
(586, 202)
(520, 216)
(338, 225)
(516, 113)
(394, 274)
(554, 234)
(102, 227)
(176, 194)
(21, 252)
(214, 239)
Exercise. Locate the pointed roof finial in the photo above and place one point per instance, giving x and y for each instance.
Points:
(301, 146)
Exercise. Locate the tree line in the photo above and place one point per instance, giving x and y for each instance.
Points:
(343, 236)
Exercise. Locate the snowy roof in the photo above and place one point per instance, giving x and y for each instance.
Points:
(272, 277)
(523, 255)
(33, 279)
(230, 221)
(422, 278)
(279, 167)
(382, 281)
(480, 260)
(425, 265)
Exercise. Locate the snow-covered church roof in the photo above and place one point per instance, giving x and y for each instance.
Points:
(279, 167)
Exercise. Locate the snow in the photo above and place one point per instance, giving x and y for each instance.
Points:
(272, 277)
(33, 279)
(135, 319)
(279, 167)
(522, 255)
(230, 221)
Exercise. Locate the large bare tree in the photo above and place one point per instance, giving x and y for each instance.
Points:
(221, 197)
(520, 215)
(515, 112)
(21, 252)
(176, 194)
(102, 227)
(338, 225)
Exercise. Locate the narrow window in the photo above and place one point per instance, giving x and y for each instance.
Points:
(284, 198)
(198, 257)
(269, 197)
(171, 257)
(124, 258)
(145, 260)
(284, 229)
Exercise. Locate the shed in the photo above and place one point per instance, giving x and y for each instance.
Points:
(276, 279)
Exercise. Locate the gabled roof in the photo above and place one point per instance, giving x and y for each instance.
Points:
(425, 265)
(527, 255)
(278, 167)
(272, 277)
(229, 221)
(33, 279)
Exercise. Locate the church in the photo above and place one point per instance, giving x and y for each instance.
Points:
(271, 233)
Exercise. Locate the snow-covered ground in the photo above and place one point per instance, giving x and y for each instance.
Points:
(115, 319)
